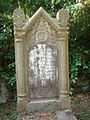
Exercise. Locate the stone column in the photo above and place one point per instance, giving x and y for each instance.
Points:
(19, 20)
(63, 67)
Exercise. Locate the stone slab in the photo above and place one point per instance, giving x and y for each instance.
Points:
(65, 115)
(3, 93)
(45, 104)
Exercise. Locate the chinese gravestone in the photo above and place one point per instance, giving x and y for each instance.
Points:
(41, 54)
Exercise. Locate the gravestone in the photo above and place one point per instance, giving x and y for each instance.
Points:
(41, 54)
(3, 92)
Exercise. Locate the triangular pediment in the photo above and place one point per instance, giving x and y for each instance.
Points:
(41, 12)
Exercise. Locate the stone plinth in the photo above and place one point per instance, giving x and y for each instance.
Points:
(44, 104)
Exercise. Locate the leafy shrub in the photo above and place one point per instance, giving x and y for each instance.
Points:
(79, 44)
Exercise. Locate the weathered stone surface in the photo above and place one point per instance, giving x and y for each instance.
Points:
(82, 86)
(3, 92)
(41, 105)
(65, 115)
(63, 17)
(41, 30)
(18, 18)
(43, 82)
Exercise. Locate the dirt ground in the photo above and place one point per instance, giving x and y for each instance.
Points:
(80, 105)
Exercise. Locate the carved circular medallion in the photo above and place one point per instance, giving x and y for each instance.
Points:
(18, 17)
(63, 17)
(41, 35)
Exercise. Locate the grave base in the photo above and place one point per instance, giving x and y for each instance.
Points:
(44, 105)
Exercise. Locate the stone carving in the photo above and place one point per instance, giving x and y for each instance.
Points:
(18, 17)
(36, 65)
(63, 17)
(42, 71)
(42, 65)
(42, 32)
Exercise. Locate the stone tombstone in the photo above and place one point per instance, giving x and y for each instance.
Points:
(3, 92)
(41, 55)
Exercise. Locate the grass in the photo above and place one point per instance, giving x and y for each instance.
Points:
(80, 105)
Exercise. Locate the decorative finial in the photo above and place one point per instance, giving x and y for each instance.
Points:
(63, 17)
(18, 18)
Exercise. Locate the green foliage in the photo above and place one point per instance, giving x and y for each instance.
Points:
(78, 38)
(7, 64)
(79, 44)
(7, 61)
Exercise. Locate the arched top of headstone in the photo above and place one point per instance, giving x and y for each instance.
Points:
(63, 17)
(18, 18)
(41, 12)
